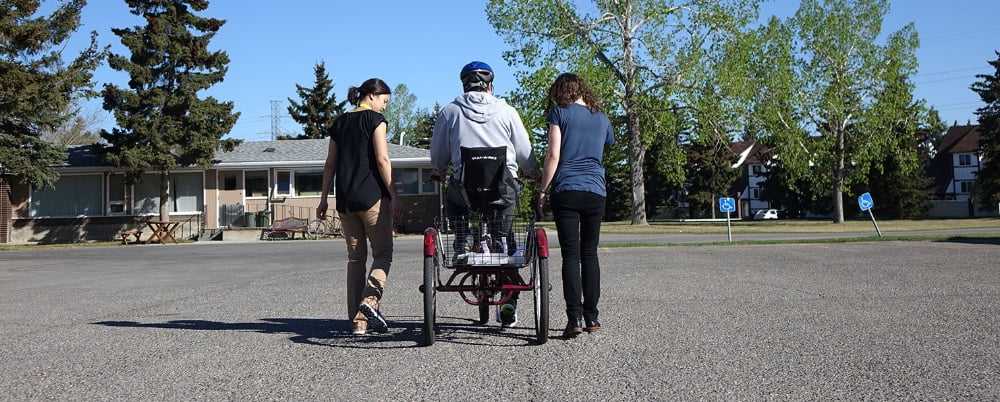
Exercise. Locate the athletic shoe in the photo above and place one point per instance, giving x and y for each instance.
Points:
(507, 315)
(360, 327)
(375, 318)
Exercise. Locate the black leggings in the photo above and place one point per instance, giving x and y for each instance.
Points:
(578, 220)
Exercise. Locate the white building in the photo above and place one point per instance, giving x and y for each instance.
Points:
(955, 168)
(753, 173)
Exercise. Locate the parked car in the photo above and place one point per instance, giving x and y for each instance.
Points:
(765, 214)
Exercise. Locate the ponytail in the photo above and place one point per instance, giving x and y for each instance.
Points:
(373, 86)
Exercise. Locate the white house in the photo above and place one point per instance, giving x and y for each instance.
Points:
(753, 173)
(955, 168)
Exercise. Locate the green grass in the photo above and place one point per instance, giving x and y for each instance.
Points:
(973, 239)
(793, 226)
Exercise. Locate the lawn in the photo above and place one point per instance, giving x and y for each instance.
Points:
(797, 226)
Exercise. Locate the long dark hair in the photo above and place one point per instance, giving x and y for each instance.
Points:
(373, 86)
(569, 87)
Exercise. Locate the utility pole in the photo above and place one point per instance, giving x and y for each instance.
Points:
(277, 113)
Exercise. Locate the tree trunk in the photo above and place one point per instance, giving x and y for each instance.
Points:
(838, 181)
(637, 157)
(165, 196)
(637, 151)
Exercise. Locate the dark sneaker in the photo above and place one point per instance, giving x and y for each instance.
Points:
(376, 322)
(507, 315)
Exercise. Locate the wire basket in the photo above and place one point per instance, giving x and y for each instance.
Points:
(482, 241)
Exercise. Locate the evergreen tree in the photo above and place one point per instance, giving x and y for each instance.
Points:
(424, 128)
(162, 123)
(37, 86)
(795, 194)
(710, 173)
(318, 107)
(988, 181)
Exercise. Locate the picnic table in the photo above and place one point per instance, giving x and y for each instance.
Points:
(162, 231)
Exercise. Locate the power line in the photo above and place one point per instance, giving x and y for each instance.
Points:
(948, 72)
(277, 113)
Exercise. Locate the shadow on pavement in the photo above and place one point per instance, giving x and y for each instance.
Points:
(338, 333)
(972, 240)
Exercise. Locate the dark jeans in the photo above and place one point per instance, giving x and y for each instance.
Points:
(499, 222)
(578, 220)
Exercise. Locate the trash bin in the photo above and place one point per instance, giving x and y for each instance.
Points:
(250, 219)
(263, 219)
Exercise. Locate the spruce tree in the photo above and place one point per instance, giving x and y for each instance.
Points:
(162, 122)
(318, 106)
(988, 181)
(37, 86)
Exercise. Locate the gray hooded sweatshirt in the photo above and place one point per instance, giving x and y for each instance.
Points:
(479, 119)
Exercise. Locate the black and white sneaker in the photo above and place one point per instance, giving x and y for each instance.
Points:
(376, 321)
(507, 315)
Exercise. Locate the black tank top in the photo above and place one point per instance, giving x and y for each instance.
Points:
(358, 182)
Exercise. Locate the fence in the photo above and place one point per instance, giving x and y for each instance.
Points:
(258, 215)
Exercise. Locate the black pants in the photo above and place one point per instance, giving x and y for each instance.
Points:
(578, 220)
(499, 221)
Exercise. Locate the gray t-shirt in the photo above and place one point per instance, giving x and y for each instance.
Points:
(584, 135)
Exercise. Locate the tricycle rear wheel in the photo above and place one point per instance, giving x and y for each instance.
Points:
(430, 300)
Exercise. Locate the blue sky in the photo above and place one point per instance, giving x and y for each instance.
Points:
(274, 44)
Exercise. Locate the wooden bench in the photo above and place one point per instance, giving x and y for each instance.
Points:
(135, 234)
(285, 229)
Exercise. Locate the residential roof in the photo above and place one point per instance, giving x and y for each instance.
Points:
(253, 152)
(960, 139)
(748, 152)
(301, 151)
(84, 156)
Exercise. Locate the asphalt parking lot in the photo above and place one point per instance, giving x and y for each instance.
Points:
(266, 321)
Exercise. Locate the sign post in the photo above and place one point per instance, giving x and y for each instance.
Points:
(866, 203)
(728, 205)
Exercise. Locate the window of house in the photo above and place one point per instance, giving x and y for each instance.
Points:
(230, 182)
(964, 160)
(965, 187)
(427, 185)
(407, 181)
(117, 194)
(71, 195)
(757, 169)
(283, 183)
(308, 183)
(147, 194)
(186, 193)
(755, 193)
(256, 184)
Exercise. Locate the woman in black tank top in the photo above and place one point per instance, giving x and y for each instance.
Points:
(365, 199)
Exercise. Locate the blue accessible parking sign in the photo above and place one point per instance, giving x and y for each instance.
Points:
(865, 201)
(727, 204)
